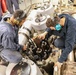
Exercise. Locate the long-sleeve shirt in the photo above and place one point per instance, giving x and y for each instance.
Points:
(68, 32)
(9, 37)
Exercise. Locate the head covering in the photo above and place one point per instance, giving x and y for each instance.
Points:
(5, 17)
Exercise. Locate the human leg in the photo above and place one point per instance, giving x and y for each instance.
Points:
(59, 42)
(9, 6)
(11, 56)
(0, 12)
(15, 3)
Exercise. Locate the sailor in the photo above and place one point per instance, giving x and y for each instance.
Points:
(9, 46)
(10, 4)
(64, 26)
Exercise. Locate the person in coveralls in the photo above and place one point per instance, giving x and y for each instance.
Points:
(9, 46)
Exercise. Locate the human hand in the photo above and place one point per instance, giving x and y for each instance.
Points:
(42, 36)
(58, 65)
(24, 48)
(52, 28)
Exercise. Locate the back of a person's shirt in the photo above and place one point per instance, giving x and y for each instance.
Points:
(8, 36)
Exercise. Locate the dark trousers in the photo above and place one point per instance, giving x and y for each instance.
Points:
(11, 56)
(0, 12)
(10, 4)
(60, 43)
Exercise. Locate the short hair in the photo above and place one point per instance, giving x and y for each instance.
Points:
(52, 22)
(49, 22)
(19, 15)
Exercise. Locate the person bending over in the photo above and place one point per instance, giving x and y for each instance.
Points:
(64, 26)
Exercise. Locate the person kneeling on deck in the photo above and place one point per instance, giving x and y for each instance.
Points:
(9, 47)
(64, 26)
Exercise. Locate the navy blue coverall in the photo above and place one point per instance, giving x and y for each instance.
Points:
(67, 35)
(9, 47)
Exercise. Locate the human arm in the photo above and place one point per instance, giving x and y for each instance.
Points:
(69, 43)
(42, 36)
(8, 42)
(46, 34)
